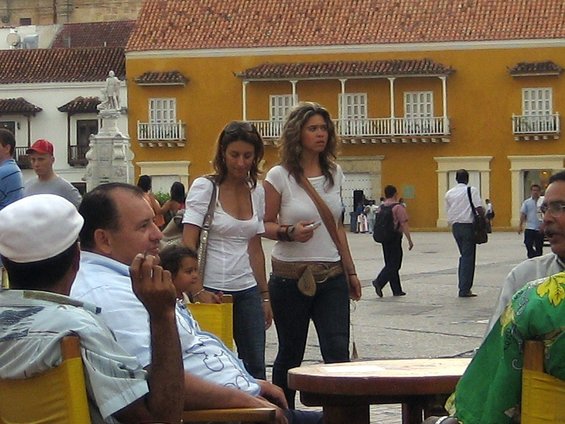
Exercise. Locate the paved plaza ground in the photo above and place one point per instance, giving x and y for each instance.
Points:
(430, 321)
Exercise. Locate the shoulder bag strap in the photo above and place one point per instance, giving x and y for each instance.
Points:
(324, 212)
(471, 201)
(203, 244)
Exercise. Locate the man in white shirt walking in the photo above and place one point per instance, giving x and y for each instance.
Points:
(460, 216)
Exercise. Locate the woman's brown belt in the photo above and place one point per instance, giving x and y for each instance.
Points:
(308, 274)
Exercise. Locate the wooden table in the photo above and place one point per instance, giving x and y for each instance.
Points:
(346, 390)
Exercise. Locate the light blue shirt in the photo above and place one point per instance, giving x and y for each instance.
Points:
(530, 208)
(106, 283)
(31, 325)
(11, 183)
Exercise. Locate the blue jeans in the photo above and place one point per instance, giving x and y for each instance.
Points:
(292, 311)
(465, 238)
(249, 330)
(392, 252)
(303, 417)
(533, 239)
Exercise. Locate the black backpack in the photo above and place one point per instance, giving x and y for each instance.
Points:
(384, 229)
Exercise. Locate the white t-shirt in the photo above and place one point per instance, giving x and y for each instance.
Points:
(296, 205)
(227, 261)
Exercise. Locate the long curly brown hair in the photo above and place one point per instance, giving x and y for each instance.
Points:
(290, 142)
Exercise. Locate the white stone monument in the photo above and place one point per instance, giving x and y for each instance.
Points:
(110, 157)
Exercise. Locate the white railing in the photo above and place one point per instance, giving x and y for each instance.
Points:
(153, 132)
(371, 127)
(542, 124)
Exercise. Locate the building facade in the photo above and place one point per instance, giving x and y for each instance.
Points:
(414, 96)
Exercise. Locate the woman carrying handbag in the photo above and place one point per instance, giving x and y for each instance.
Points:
(223, 221)
(313, 272)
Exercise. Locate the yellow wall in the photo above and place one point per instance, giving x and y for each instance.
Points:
(481, 94)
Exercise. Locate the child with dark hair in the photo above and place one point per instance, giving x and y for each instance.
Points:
(182, 262)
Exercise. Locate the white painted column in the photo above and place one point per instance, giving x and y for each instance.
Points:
(341, 120)
(294, 98)
(392, 129)
(444, 99)
(244, 99)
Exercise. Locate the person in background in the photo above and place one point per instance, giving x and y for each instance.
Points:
(531, 218)
(11, 183)
(305, 253)
(39, 246)
(489, 215)
(175, 203)
(144, 182)
(460, 216)
(392, 249)
(47, 181)
(235, 262)
(371, 214)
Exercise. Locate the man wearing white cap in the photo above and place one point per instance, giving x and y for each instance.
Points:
(38, 244)
(47, 181)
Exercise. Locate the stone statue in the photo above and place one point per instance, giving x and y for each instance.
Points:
(111, 93)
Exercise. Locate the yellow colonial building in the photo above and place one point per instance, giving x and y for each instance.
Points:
(417, 90)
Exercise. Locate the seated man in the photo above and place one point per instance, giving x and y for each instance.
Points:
(546, 265)
(38, 244)
(490, 389)
(118, 224)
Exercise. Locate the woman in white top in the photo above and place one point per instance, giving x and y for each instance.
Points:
(235, 262)
(305, 251)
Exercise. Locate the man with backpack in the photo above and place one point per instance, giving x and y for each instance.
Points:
(391, 223)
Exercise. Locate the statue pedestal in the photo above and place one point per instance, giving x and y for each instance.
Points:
(110, 157)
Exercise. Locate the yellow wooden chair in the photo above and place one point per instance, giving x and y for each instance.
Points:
(216, 318)
(55, 396)
(543, 396)
(58, 396)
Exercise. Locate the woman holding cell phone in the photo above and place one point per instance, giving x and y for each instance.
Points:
(310, 279)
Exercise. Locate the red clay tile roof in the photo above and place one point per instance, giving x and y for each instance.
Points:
(381, 68)
(94, 34)
(19, 105)
(60, 65)
(536, 68)
(81, 105)
(162, 78)
(209, 24)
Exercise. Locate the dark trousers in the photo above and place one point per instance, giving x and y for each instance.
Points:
(533, 239)
(465, 239)
(292, 311)
(392, 252)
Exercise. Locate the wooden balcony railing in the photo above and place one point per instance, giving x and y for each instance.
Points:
(541, 124)
(371, 127)
(22, 158)
(77, 155)
(155, 132)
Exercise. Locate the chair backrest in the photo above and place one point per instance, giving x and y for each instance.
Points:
(55, 396)
(543, 396)
(216, 318)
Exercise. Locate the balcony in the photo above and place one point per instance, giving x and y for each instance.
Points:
(161, 135)
(539, 127)
(375, 130)
(22, 158)
(77, 155)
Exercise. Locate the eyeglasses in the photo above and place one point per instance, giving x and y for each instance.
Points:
(555, 209)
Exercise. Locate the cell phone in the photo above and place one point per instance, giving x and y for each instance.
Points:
(314, 225)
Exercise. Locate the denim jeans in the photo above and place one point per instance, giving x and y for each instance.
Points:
(465, 238)
(392, 252)
(249, 330)
(533, 239)
(292, 311)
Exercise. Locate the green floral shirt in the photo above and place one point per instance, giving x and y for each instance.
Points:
(490, 390)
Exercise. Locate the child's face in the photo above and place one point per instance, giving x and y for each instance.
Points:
(187, 275)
